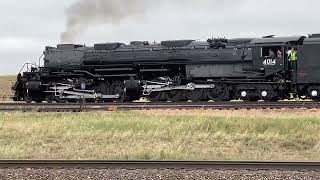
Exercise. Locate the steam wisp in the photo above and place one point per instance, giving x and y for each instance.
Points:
(85, 13)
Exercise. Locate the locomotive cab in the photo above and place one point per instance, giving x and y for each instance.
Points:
(270, 55)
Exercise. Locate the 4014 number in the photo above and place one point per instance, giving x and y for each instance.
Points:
(270, 62)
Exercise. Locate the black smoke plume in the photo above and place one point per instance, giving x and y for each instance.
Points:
(86, 13)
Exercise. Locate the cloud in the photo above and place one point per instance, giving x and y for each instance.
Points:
(16, 51)
(15, 43)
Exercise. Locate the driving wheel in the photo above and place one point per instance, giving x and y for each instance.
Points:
(174, 96)
(117, 88)
(156, 96)
(218, 93)
(195, 95)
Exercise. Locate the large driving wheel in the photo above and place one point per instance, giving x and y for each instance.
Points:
(196, 95)
(174, 96)
(219, 93)
(156, 96)
(103, 88)
(117, 88)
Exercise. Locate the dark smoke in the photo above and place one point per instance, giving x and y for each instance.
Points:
(85, 13)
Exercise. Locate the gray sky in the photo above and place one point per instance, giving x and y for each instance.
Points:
(28, 26)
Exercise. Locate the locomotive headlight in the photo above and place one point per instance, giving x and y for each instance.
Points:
(243, 94)
(264, 93)
(314, 93)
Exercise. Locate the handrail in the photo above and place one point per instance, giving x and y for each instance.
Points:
(29, 66)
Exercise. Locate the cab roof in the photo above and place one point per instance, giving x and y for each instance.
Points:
(278, 40)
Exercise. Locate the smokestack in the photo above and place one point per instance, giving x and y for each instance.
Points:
(85, 13)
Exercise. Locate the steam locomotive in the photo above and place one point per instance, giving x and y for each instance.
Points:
(179, 70)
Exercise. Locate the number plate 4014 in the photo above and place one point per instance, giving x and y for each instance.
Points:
(270, 62)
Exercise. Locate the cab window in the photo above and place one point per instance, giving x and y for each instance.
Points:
(271, 51)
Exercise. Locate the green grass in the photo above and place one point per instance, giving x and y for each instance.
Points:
(158, 136)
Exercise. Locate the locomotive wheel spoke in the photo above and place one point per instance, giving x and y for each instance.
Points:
(117, 88)
(196, 95)
(219, 93)
(174, 96)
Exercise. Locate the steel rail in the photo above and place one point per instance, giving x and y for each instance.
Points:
(149, 106)
(261, 165)
(164, 103)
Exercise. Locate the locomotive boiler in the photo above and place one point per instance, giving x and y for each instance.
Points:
(178, 70)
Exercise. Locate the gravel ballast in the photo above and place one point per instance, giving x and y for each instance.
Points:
(141, 174)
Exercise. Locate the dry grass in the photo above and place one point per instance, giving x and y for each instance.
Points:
(6, 83)
(162, 135)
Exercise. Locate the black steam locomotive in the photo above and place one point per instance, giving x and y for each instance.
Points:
(180, 70)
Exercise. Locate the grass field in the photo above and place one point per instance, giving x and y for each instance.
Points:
(162, 135)
(6, 83)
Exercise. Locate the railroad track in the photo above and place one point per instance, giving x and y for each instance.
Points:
(75, 107)
(252, 165)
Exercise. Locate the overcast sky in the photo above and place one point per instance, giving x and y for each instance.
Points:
(28, 26)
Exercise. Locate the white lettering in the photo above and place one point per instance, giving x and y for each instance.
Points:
(270, 62)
